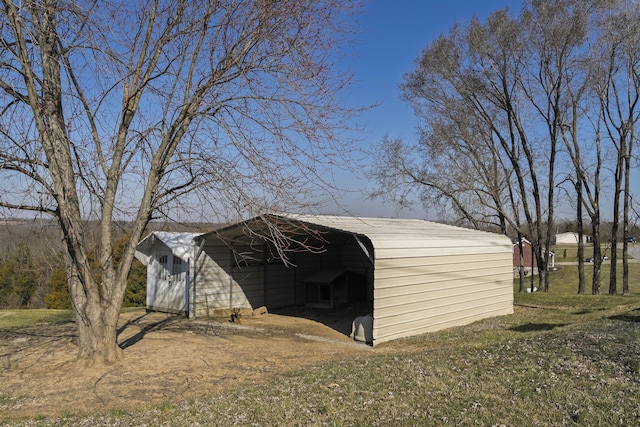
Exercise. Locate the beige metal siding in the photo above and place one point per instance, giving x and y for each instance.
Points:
(248, 287)
(279, 284)
(430, 276)
(222, 284)
(447, 317)
(425, 294)
(426, 276)
(212, 281)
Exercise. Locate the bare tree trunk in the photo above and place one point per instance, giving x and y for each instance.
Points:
(619, 93)
(597, 256)
(96, 319)
(580, 201)
(615, 224)
(97, 334)
(593, 208)
(539, 254)
(521, 284)
(625, 218)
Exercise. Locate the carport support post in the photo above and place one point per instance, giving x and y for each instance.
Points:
(231, 289)
(364, 248)
(194, 276)
(264, 271)
(294, 279)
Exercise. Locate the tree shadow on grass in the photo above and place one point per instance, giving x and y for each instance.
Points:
(145, 327)
(633, 316)
(589, 310)
(626, 318)
(537, 327)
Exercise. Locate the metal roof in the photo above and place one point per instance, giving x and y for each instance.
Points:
(410, 237)
(390, 237)
(178, 242)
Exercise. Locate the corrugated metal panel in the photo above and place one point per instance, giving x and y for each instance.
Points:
(455, 315)
(280, 290)
(426, 276)
(229, 285)
(397, 231)
(496, 259)
(213, 280)
(436, 300)
(437, 288)
(248, 287)
(392, 253)
(430, 276)
(429, 302)
(426, 273)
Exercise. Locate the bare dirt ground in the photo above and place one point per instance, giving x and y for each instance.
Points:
(167, 358)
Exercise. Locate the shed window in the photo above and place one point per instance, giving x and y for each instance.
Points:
(163, 260)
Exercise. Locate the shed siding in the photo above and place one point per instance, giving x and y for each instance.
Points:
(152, 273)
(280, 287)
(427, 293)
(223, 284)
(213, 279)
(167, 294)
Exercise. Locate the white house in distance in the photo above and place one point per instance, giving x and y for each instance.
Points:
(569, 238)
(412, 276)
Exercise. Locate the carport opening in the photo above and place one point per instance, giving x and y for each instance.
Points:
(334, 297)
(334, 287)
(339, 318)
(331, 284)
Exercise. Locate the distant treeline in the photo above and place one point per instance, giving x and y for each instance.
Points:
(32, 270)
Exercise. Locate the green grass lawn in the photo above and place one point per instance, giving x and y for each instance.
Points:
(569, 253)
(563, 289)
(19, 318)
(561, 359)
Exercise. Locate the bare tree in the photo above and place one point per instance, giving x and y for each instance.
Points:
(582, 137)
(139, 110)
(618, 87)
(492, 99)
(507, 106)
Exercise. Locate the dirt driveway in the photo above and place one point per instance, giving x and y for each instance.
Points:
(167, 358)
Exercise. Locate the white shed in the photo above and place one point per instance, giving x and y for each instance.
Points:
(168, 256)
(413, 276)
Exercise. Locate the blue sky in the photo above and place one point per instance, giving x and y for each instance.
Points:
(393, 34)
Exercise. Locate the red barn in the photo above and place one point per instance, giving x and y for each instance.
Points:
(529, 262)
